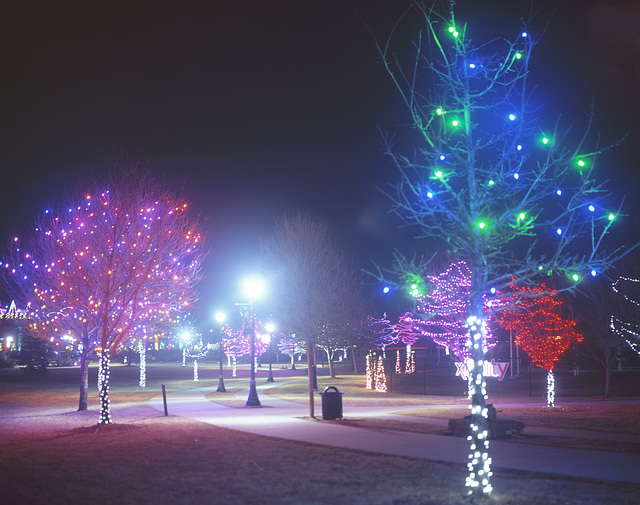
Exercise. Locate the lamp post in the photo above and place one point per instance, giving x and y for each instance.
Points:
(270, 328)
(253, 288)
(220, 318)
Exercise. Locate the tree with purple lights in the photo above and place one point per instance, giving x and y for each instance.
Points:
(442, 311)
(116, 256)
(492, 179)
(384, 333)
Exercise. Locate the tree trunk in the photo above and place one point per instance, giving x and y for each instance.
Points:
(551, 389)
(332, 372)
(142, 349)
(103, 372)
(311, 371)
(354, 361)
(83, 402)
(479, 461)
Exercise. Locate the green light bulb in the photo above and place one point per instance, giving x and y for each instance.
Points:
(455, 122)
(575, 277)
(521, 216)
(438, 174)
(439, 111)
(545, 140)
(612, 217)
(482, 225)
(491, 183)
(581, 163)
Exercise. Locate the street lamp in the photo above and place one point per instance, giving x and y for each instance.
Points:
(270, 328)
(253, 288)
(220, 318)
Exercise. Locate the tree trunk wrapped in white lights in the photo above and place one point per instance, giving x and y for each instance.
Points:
(499, 183)
(142, 352)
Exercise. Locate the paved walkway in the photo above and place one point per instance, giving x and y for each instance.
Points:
(282, 419)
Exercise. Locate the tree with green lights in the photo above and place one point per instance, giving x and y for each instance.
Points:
(490, 177)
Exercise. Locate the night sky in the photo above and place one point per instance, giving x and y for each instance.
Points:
(263, 107)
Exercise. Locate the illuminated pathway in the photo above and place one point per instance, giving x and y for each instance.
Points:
(283, 419)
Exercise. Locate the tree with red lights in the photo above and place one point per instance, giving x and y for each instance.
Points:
(490, 177)
(127, 250)
(539, 328)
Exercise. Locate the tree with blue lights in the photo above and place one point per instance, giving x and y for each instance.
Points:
(491, 177)
(122, 253)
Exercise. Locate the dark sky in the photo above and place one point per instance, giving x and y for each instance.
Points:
(261, 107)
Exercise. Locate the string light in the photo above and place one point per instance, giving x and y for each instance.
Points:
(539, 328)
(628, 331)
(446, 307)
(369, 372)
(479, 464)
(380, 378)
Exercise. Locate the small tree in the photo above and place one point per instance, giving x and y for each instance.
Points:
(125, 250)
(312, 281)
(539, 328)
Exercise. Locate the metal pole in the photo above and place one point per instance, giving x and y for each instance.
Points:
(164, 400)
(221, 388)
(270, 378)
(253, 400)
(511, 353)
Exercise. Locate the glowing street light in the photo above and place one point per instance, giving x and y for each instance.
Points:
(220, 316)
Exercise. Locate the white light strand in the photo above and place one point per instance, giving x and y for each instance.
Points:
(142, 350)
(103, 379)
(479, 464)
(551, 390)
(629, 332)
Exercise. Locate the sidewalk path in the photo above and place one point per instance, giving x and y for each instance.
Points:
(282, 419)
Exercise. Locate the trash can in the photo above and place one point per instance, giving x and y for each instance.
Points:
(331, 404)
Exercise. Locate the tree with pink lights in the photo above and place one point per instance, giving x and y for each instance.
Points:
(443, 310)
(124, 252)
(236, 344)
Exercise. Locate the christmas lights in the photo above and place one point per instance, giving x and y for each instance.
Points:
(369, 371)
(444, 311)
(539, 328)
(380, 377)
(384, 332)
(628, 331)
(102, 266)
